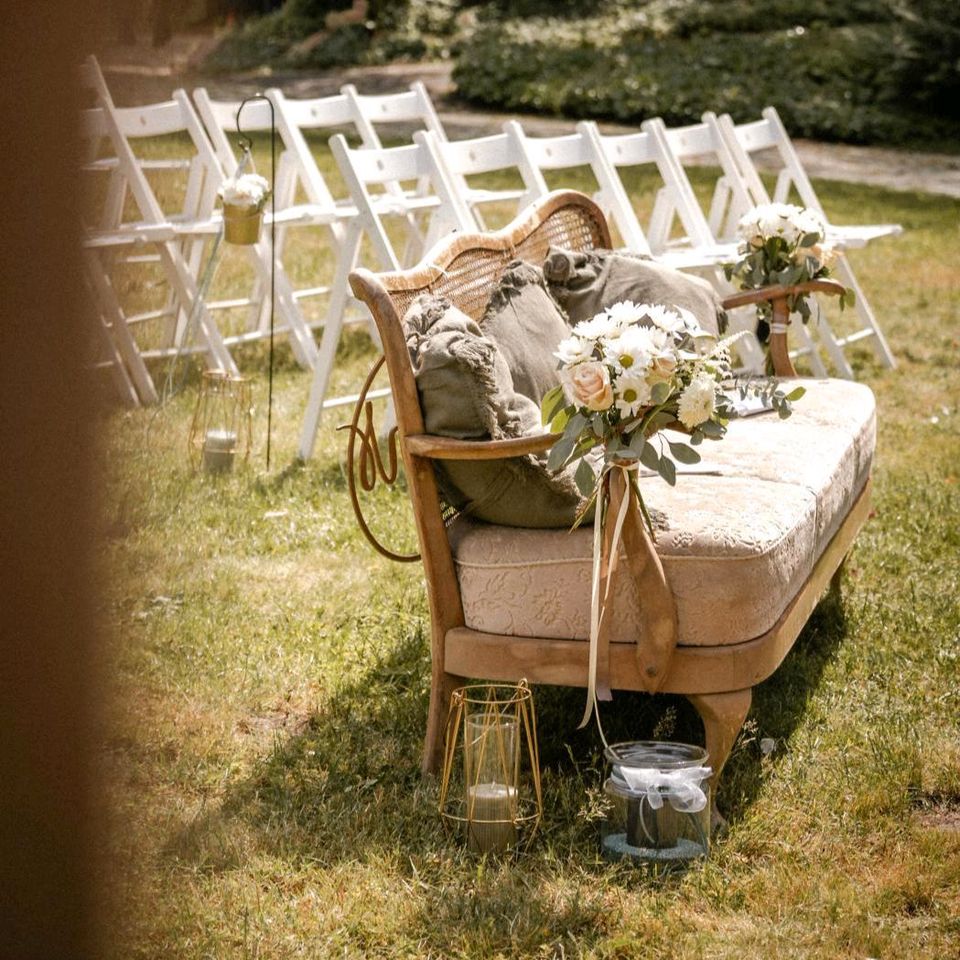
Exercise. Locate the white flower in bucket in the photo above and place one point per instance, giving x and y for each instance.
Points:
(244, 198)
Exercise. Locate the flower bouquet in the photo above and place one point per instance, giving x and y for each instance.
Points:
(628, 373)
(782, 244)
(632, 371)
(243, 199)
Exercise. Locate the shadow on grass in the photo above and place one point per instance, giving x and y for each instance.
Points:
(347, 788)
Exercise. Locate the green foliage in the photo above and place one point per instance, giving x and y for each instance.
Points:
(928, 66)
(758, 16)
(407, 30)
(830, 82)
(260, 40)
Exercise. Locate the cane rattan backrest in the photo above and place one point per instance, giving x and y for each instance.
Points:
(465, 268)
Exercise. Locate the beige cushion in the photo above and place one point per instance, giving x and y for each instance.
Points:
(466, 391)
(526, 324)
(585, 282)
(739, 545)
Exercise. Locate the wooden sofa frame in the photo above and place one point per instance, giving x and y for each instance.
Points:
(718, 680)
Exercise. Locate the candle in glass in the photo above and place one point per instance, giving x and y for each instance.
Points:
(490, 767)
(218, 450)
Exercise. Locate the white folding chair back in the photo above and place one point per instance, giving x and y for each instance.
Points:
(613, 153)
(414, 107)
(484, 155)
(769, 134)
(678, 201)
(364, 170)
(571, 151)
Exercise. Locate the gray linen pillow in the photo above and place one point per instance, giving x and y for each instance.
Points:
(585, 283)
(524, 321)
(466, 391)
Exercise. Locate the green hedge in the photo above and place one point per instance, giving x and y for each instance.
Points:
(828, 82)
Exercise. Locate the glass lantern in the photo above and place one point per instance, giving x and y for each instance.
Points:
(222, 422)
(658, 800)
(485, 791)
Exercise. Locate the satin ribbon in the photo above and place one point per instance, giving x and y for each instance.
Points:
(596, 608)
(681, 787)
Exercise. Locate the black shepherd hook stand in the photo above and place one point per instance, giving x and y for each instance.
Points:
(246, 145)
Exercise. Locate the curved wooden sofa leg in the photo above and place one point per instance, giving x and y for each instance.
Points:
(837, 578)
(441, 688)
(722, 715)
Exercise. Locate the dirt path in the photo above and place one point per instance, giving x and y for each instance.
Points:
(138, 75)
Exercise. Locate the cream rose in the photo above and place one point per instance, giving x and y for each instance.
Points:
(591, 385)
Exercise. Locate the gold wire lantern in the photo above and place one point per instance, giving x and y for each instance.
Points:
(488, 728)
(222, 422)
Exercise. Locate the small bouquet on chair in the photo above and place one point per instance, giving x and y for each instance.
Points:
(244, 198)
(782, 245)
(627, 374)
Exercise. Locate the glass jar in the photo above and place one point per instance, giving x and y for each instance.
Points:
(658, 800)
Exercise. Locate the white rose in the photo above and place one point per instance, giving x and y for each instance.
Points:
(591, 385)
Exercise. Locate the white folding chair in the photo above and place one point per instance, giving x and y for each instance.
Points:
(367, 172)
(742, 141)
(605, 155)
(118, 348)
(675, 145)
(163, 232)
(414, 106)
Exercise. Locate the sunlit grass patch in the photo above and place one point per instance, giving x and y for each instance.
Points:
(272, 673)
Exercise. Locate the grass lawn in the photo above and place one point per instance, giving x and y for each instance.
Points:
(270, 677)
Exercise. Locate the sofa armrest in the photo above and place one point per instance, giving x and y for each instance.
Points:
(777, 296)
(449, 448)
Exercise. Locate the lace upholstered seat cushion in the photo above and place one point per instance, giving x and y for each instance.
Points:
(738, 548)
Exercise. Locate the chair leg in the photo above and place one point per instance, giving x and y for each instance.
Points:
(722, 715)
(440, 691)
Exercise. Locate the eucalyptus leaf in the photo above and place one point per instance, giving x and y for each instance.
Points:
(660, 392)
(668, 471)
(809, 239)
(576, 423)
(585, 478)
(649, 457)
(796, 394)
(683, 453)
(560, 420)
(559, 453)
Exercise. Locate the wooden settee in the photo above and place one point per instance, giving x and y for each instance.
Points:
(738, 605)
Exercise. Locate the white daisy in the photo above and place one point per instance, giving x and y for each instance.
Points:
(599, 327)
(630, 394)
(626, 312)
(574, 350)
(666, 318)
(636, 348)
